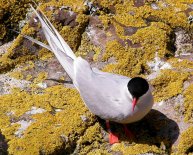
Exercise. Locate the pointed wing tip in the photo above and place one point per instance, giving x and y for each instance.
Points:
(36, 11)
(32, 7)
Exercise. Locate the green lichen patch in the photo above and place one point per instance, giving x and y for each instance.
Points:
(168, 84)
(188, 94)
(185, 145)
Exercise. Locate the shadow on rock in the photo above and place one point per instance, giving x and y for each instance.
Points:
(3, 145)
(154, 129)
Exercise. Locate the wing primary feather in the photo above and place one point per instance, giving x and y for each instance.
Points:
(47, 25)
(33, 40)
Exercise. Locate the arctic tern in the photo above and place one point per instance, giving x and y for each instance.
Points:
(111, 97)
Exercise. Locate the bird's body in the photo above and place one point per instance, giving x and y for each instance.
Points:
(105, 94)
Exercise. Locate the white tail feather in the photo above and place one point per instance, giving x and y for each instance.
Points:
(51, 33)
(57, 44)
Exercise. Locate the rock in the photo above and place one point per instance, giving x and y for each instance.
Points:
(42, 113)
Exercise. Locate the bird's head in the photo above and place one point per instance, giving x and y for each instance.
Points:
(137, 87)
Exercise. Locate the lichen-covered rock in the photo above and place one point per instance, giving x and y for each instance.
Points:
(186, 142)
(54, 128)
(145, 38)
(11, 13)
(188, 103)
(168, 84)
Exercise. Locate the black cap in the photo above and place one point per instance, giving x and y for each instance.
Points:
(138, 86)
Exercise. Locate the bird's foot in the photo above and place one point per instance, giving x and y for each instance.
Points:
(113, 138)
(128, 133)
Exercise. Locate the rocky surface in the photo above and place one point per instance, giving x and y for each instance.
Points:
(42, 113)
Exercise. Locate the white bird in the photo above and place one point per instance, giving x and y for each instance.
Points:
(110, 96)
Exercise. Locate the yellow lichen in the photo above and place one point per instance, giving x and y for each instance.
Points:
(93, 137)
(28, 77)
(86, 47)
(99, 152)
(50, 130)
(181, 64)
(127, 64)
(106, 20)
(11, 13)
(169, 12)
(3, 31)
(73, 35)
(136, 149)
(185, 145)
(59, 131)
(16, 75)
(28, 65)
(44, 54)
(168, 84)
(123, 16)
(40, 77)
(154, 38)
(188, 94)
(76, 5)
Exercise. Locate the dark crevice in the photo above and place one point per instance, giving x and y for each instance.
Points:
(81, 31)
(3, 145)
(189, 150)
(171, 43)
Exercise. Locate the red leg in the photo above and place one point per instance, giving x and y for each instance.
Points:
(128, 132)
(113, 138)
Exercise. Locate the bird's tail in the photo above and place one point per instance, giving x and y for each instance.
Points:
(57, 45)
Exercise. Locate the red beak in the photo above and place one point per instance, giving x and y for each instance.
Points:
(134, 102)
